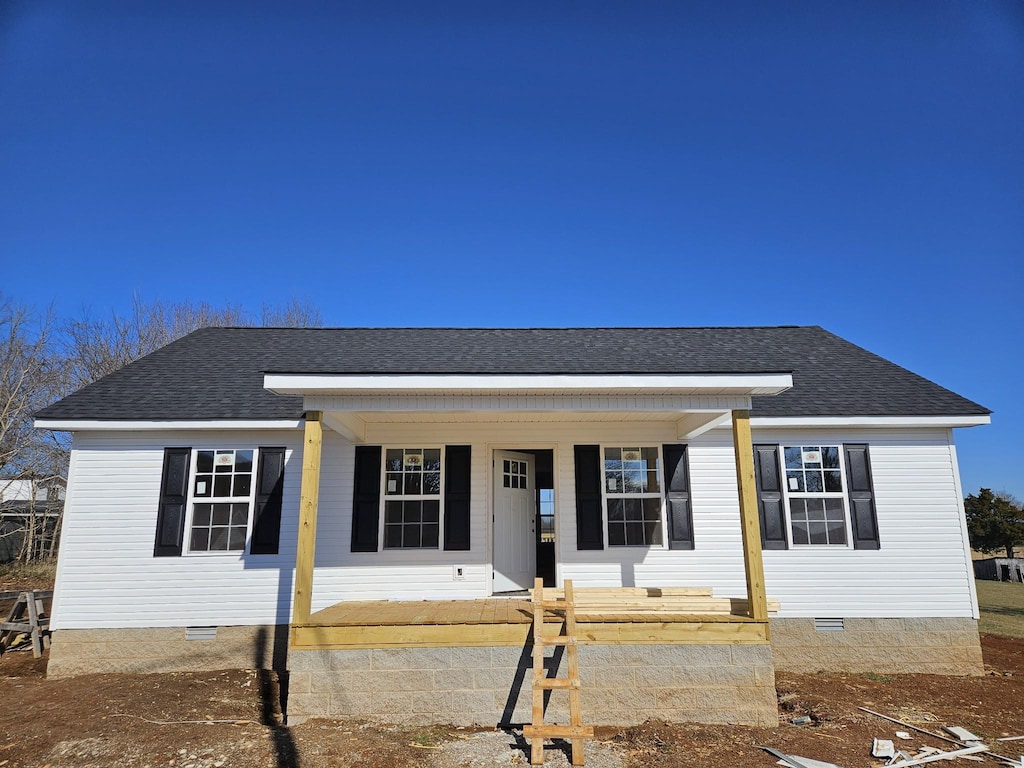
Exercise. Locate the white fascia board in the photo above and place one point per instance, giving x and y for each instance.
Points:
(869, 421)
(138, 426)
(738, 383)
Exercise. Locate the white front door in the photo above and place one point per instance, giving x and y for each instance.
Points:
(515, 539)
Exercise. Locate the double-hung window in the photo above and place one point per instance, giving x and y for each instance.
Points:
(632, 495)
(412, 480)
(815, 493)
(222, 496)
(220, 500)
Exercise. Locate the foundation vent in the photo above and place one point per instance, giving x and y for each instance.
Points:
(829, 625)
(200, 633)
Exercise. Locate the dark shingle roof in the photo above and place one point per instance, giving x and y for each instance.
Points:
(217, 373)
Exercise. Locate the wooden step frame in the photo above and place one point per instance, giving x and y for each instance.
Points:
(27, 617)
(538, 731)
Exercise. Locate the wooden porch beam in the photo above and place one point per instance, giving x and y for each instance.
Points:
(753, 564)
(698, 422)
(348, 425)
(305, 554)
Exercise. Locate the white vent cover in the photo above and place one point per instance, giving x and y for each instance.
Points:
(200, 633)
(829, 625)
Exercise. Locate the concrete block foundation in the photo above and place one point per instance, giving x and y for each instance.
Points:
(940, 646)
(621, 684)
(165, 649)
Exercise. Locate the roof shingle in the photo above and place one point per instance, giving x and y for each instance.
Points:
(217, 373)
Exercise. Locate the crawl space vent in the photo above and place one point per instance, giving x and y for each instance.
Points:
(829, 625)
(200, 633)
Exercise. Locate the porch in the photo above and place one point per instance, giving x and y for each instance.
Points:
(638, 615)
(483, 516)
(675, 653)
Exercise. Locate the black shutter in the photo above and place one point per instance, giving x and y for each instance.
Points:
(862, 497)
(366, 499)
(266, 521)
(170, 517)
(589, 518)
(677, 497)
(769, 497)
(456, 496)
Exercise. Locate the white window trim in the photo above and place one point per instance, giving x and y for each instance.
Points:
(660, 495)
(842, 495)
(419, 497)
(191, 499)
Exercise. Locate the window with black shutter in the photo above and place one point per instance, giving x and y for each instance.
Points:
(220, 500)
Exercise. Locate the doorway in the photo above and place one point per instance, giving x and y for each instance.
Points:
(523, 519)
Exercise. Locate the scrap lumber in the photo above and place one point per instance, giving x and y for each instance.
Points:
(939, 736)
(796, 762)
(27, 617)
(941, 756)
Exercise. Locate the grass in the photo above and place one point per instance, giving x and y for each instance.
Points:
(877, 678)
(1002, 608)
(38, 575)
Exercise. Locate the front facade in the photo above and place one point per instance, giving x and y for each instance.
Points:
(261, 512)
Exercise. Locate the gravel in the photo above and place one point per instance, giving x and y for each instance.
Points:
(497, 748)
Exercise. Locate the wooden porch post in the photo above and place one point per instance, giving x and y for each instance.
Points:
(757, 600)
(306, 552)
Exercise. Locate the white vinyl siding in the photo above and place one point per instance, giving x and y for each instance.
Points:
(108, 577)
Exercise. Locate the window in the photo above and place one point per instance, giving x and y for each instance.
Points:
(222, 494)
(546, 497)
(632, 496)
(515, 474)
(412, 498)
(814, 489)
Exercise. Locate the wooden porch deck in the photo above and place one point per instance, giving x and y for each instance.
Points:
(603, 616)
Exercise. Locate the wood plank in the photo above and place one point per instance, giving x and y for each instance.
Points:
(309, 497)
(537, 741)
(558, 732)
(711, 631)
(15, 626)
(750, 526)
(33, 620)
(555, 683)
(573, 670)
(14, 594)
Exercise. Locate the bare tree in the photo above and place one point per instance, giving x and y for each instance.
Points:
(37, 367)
(292, 314)
(31, 377)
(96, 347)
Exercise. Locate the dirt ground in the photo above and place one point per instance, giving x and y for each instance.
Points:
(149, 720)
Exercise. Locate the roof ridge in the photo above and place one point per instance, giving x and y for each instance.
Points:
(509, 328)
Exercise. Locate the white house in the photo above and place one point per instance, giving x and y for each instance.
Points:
(243, 495)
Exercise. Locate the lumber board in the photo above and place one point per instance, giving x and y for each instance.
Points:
(15, 626)
(750, 526)
(558, 731)
(555, 683)
(537, 710)
(309, 495)
(711, 630)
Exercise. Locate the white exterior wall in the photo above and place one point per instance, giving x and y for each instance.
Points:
(106, 573)
(923, 567)
(108, 576)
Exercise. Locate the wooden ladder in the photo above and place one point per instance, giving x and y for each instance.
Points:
(575, 731)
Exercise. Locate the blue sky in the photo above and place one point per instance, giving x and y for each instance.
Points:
(858, 166)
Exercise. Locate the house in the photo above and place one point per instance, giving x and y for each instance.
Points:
(30, 511)
(365, 506)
